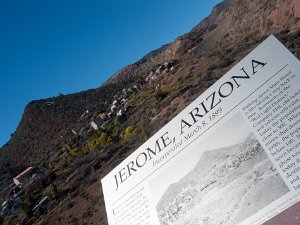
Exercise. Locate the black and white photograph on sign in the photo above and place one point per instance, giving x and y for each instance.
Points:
(225, 179)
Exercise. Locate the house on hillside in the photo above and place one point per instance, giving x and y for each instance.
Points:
(109, 115)
(65, 150)
(124, 100)
(11, 206)
(102, 116)
(113, 109)
(6, 207)
(116, 102)
(105, 125)
(121, 112)
(97, 123)
(39, 175)
(23, 177)
(84, 115)
(16, 191)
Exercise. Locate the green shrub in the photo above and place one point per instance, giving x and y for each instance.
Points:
(50, 165)
(66, 163)
(102, 140)
(160, 94)
(142, 132)
(128, 132)
(26, 209)
(28, 202)
(54, 192)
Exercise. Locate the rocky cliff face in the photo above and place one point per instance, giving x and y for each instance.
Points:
(167, 80)
(47, 123)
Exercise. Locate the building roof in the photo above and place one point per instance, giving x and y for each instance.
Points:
(40, 203)
(4, 203)
(24, 172)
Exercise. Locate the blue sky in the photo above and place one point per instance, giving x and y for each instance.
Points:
(67, 46)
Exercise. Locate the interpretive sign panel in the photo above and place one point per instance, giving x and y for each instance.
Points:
(231, 157)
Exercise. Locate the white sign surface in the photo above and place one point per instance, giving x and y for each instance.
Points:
(231, 157)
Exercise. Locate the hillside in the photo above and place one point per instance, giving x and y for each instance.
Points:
(151, 92)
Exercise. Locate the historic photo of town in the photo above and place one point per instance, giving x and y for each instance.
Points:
(224, 180)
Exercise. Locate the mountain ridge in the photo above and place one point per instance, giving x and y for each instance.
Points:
(202, 37)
